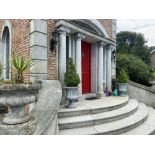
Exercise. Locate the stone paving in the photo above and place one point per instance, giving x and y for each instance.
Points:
(109, 115)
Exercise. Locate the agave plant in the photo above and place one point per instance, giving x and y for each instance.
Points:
(20, 66)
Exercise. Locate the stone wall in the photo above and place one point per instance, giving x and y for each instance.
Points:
(22, 32)
(142, 93)
(19, 39)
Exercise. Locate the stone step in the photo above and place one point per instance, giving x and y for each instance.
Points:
(99, 118)
(115, 127)
(94, 106)
(147, 128)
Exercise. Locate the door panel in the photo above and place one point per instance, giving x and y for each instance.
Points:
(86, 67)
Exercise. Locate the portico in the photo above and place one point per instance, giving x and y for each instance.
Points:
(88, 44)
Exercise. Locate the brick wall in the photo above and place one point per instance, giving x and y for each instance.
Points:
(51, 55)
(107, 23)
(19, 39)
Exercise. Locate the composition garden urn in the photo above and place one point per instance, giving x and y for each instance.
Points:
(123, 89)
(16, 97)
(72, 96)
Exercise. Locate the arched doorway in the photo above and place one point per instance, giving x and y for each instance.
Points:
(5, 53)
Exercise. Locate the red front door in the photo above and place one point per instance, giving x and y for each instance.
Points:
(86, 67)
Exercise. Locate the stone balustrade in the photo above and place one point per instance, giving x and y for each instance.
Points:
(142, 93)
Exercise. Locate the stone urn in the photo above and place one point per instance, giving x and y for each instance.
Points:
(71, 96)
(123, 89)
(152, 82)
(16, 97)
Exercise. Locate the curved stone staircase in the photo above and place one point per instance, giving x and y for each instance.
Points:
(107, 116)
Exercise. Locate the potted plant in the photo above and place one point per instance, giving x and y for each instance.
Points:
(16, 94)
(71, 80)
(122, 82)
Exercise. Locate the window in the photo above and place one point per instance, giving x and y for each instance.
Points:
(5, 55)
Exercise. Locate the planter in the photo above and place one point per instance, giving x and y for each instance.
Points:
(152, 82)
(72, 96)
(16, 97)
(122, 88)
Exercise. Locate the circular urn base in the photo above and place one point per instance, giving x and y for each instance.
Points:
(16, 96)
(16, 116)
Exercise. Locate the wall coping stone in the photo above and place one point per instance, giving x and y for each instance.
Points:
(141, 86)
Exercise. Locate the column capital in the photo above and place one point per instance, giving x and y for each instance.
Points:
(79, 36)
(101, 44)
(110, 47)
(63, 30)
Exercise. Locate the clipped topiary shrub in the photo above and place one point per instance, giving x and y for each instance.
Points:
(71, 78)
(122, 77)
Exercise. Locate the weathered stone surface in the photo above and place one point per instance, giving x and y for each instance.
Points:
(38, 52)
(114, 127)
(147, 128)
(142, 93)
(99, 118)
(94, 106)
(38, 25)
(27, 128)
(39, 67)
(36, 77)
(16, 96)
(39, 39)
(47, 107)
(43, 118)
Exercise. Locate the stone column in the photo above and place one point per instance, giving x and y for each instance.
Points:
(62, 54)
(78, 60)
(100, 70)
(104, 67)
(109, 78)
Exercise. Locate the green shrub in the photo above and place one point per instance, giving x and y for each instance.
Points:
(71, 78)
(1, 67)
(122, 77)
(153, 74)
(137, 70)
(20, 65)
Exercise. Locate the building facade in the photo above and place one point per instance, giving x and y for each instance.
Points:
(90, 42)
(152, 58)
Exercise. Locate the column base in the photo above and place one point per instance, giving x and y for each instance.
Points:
(80, 98)
(100, 94)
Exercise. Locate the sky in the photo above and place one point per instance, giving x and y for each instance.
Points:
(146, 27)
